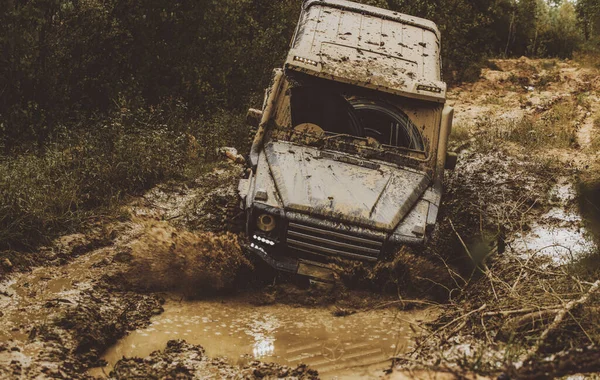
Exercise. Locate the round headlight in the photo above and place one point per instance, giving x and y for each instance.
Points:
(265, 222)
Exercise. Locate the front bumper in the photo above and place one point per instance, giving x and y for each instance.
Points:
(312, 269)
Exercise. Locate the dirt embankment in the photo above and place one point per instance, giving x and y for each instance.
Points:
(180, 360)
(57, 321)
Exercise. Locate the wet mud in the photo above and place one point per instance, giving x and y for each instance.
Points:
(194, 264)
(359, 344)
(181, 360)
(561, 234)
(89, 299)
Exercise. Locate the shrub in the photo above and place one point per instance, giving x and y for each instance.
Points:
(78, 175)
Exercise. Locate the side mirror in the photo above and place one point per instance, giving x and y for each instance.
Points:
(253, 117)
(451, 159)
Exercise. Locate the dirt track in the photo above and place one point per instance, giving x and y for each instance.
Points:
(59, 318)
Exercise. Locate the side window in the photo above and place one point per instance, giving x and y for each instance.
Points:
(387, 124)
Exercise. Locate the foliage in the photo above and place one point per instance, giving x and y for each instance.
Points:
(64, 61)
(78, 175)
(68, 60)
(104, 98)
(588, 12)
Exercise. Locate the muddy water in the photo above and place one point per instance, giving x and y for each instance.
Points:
(560, 234)
(358, 345)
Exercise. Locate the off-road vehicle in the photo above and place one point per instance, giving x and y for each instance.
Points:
(350, 149)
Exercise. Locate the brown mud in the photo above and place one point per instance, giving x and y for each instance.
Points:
(86, 292)
(180, 360)
(359, 344)
(529, 173)
(66, 308)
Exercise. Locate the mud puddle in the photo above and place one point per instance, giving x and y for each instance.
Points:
(559, 234)
(29, 298)
(357, 345)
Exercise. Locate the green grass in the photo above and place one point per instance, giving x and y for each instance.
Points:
(81, 175)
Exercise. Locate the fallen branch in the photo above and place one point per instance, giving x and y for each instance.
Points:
(519, 311)
(457, 319)
(559, 318)
(400, 301)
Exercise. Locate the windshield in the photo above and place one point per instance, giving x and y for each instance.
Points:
(316, 112)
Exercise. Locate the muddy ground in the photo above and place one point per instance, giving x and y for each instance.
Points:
(525, 188)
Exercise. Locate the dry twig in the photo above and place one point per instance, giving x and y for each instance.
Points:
(559, 318)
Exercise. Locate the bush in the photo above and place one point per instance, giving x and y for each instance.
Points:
(78, 175)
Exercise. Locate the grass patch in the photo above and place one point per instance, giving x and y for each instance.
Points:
(553, 129)
(459, 134)
(549, 64)
(492, 65)
(83, 173)
(595, 142)
(546, 79)
(492, 99)
(589, 58)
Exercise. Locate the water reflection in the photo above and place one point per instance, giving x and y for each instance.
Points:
(262, 330)
(263, 348)
(560, 234)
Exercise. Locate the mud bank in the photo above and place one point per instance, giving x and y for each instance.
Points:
(58, 318)
(182, 360)
(64, 336)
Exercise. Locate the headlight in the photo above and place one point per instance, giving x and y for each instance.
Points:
(265, 222)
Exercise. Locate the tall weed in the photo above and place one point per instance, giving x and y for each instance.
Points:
(82, 173)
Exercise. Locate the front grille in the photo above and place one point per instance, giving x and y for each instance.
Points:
(327, 242)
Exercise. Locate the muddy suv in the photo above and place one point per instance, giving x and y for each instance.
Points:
(350, 149)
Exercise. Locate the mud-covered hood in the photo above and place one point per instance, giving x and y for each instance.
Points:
(342, 187)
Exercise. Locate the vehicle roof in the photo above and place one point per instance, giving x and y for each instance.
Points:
(378, 12)
(370, 47)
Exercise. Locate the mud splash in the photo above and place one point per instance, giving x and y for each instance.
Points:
(167, 259)
(359, 345)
